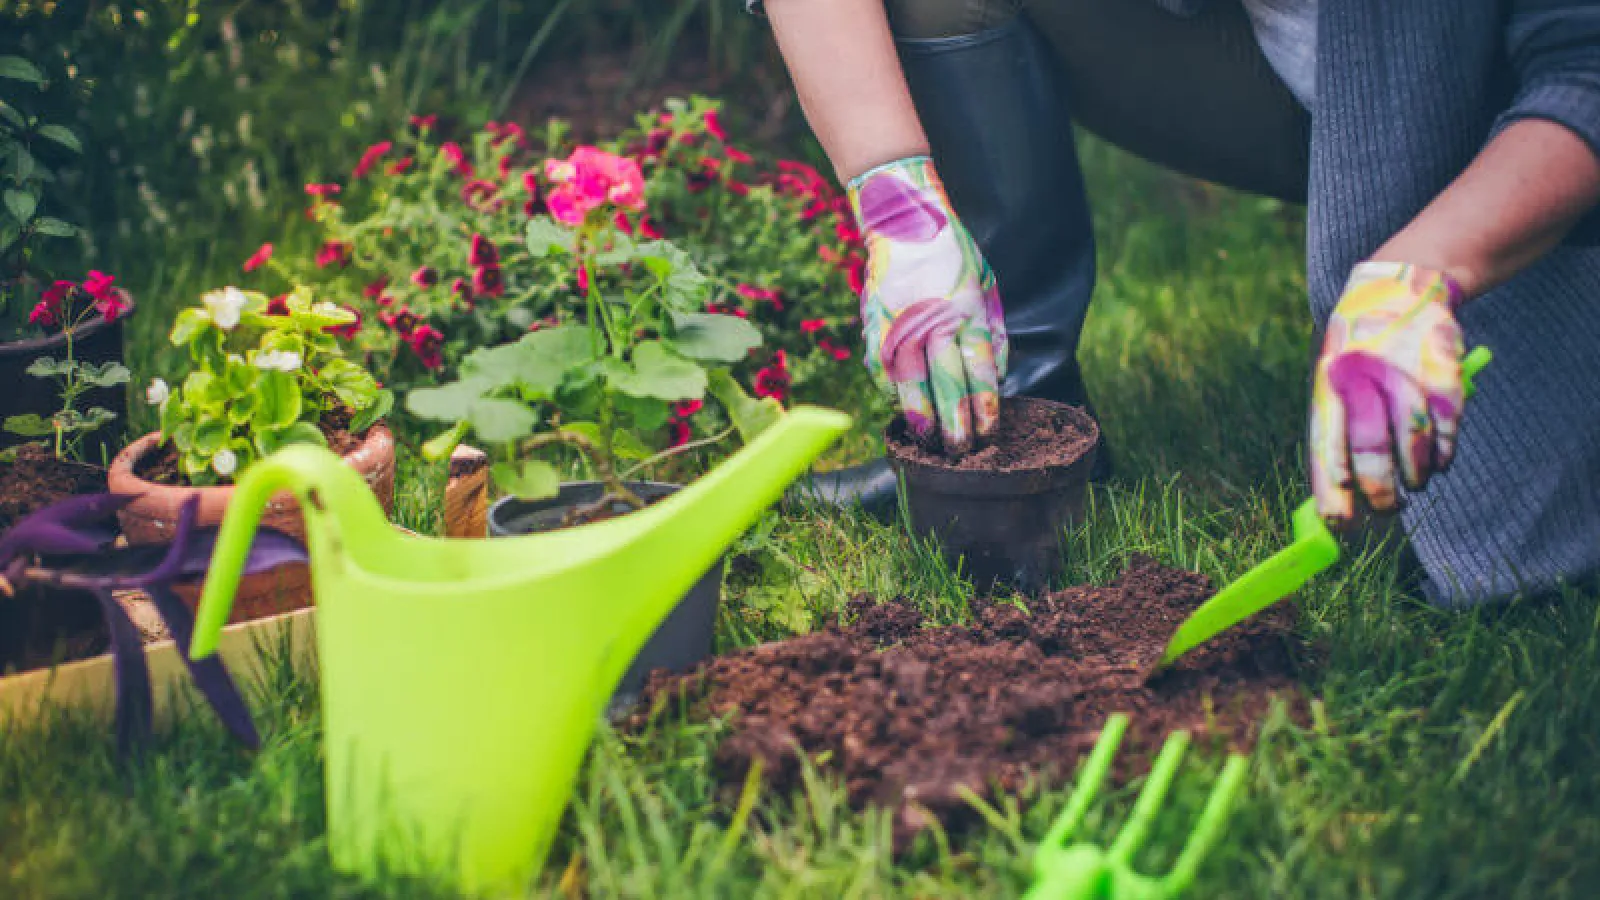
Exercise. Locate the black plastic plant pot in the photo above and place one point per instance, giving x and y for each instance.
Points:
(95, 341)
(683, 638)
(1003, 528)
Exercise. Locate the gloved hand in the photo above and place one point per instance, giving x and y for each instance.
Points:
(930, 308)
(1388, 387)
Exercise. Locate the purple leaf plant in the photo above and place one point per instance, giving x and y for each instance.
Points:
(68, 546)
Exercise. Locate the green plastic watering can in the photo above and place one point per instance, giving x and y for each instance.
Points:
(1313, 550)
(462, 680)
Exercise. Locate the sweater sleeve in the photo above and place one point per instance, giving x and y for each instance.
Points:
(1554, 50)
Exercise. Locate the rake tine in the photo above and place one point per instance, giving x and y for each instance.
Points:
(1089, 781)
(1209, 826)
(1133, 834)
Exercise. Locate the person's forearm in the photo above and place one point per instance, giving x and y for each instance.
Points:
(1515, 203)
(842, 59)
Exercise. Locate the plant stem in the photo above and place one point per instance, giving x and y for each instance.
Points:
(681, 448)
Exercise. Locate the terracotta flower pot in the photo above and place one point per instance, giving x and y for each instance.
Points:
(154, 515)
(96, 341)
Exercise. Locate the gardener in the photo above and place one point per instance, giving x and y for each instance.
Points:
(1449, 162)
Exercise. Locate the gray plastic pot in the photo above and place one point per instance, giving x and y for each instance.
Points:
(1002, 528)
(684, 637)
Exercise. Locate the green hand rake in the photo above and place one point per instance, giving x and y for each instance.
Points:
(1085, 871)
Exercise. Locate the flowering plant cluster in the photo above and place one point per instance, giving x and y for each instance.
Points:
(67, 306)
(266, 372)
(637, 359)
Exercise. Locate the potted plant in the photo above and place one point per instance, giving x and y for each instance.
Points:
(607, 393)
(264, 373)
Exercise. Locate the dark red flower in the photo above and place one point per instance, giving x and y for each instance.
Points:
(714, 128)
(738, 188)
(400, 166)
(322, 190)
(425, 277)
(258, 258)
(680, 432)
(463, 289)
(583, 278)
(98, 284)
(846, 231)
(333, 253)
(734, 154)
(503, 166)
(458, 158)
(711, 165)
(648, 228)
(421, 122)
(765, 295)
(482, 252)
(349, 330)
(404, 321)
(623, 224)
(812, 326)
(687, 408)
(370, 158)
(54, 297)
(773, 381)
(856, 270)
(375, 288)
(42, 315)
(488, 281)
(478, 193)
(278, 306)
(726, 310)
(836, 351)
(656, 140)
(427, 343)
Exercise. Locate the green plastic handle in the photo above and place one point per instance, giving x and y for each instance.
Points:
(1313, 550)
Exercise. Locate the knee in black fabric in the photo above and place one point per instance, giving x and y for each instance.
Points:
(921, 19)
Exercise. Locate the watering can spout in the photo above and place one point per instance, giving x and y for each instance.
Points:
(323, 484)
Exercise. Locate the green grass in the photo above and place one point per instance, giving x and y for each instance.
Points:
(1449, 754)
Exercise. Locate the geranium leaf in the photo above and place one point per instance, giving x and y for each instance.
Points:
(713, 338)
(29, 425)
(497, 421)
(545, 235)
(750, 415)
(448, 402)
(659, 373)
(537, 363)
(531, 480)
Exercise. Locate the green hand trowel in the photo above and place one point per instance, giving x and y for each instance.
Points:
(462, 680)
(1314, 549)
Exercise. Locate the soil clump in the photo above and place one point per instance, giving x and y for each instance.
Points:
(1030, 436)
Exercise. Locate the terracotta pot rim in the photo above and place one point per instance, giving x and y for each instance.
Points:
(125, 466)
(88, 329)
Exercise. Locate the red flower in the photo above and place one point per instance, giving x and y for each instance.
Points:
(349, 330)
(258, 258)
(278, 306)
(54, 296)
(583, 278)
(503, 166)
(375, 289)
(112, 306)
(856, 269)
(648, 229)
(623, 224)
(738, 188)
(846, 231)
(767, 295)
(482, 252)
(714, 126)
(734, 154)
(773, 381)
(461, 288)
(477, 193)
(421, 122)
(322, 190)
(425, 277)
(333, 253)
(812, 326)
(98, 285)
(534, 207)
(404, 322)
(457, 157)
(427, 343)
(711, 165)
(488, 281)
(504, 131)
(837, 352)
(399, 166)
(681, 433)
(42, 315)
(656, 140)
(726, 310)
(370, 158)
(687, 408)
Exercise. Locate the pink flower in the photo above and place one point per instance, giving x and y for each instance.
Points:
(488, 281)
(623, 224)
(42, 315)
(590, 178)
(113, 305)
(427, 343)
(423, 122)
(687, 408)
(738, 188)
(322, 190)
(837, 352)
(258, 258)
(714, 128)
(734, 154)
(726, 310)
(766, 295)
(648, 229)
(375, 288)
(425, 277)
(504, 131)
(812, 326)
(856, 270)
(399, 166)
(503, 167)
(348, 330)
(458, 158)
(98, 284)
(478, 193)
(333, 253)
(482, 252)
(583, 278)
(370, 158)
(55, 297)
(680, 432)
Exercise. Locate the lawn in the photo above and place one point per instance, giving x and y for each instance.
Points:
(1446, 754)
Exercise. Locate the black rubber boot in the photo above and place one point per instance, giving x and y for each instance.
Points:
(1001, 135)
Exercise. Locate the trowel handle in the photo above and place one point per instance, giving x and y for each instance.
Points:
(1471, 365)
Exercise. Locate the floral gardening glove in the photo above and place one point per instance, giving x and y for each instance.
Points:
(930, 309)
(1388, 387)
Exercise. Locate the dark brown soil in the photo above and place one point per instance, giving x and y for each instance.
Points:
(161, 467)
(907, 715)
(38, 626)
(1030, 436)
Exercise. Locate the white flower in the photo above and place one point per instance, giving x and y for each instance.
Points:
(157, 393)
(282, 360)
(225, 306)
(225, 462)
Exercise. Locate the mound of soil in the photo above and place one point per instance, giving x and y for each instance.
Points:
(907, 715)
(35, 479)
(1032, 435)
(161, 467)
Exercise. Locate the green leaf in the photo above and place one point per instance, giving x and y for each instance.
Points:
(92, 420)
(448, 402)
(749, 414)
(439, 447)
(643, 414)
(106, 375)
(18, 69)
(22, 164)
(49, 367)
(281, 402)
(497, 421)
(531, 480)
(53, 227)
(624, 444)
(189, 323)
(300, 433)
(622, 250)
(209, 437)
(21, 205)
(686, 287)
(10, 114)
(537, 363)
(713, 338)
(659, 373)
(29, 425)
(377, 408)
(62, 135)
(545, 235)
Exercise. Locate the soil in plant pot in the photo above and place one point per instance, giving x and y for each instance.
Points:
(37, 626)
(161, 467)
(1030, 436)
(907, 715)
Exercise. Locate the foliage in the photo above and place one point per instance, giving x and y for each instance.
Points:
(264, 373)
(635, 356)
